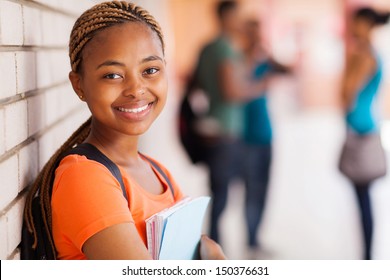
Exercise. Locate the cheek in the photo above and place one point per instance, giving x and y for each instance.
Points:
(162, 90)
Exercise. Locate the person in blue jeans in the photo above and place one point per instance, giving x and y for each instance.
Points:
(221, 73)
(362, 79)
(257, 132)
(257, 139)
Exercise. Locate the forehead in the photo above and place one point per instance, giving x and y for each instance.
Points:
(121, 38)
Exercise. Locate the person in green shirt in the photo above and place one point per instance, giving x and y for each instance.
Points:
(221, 74)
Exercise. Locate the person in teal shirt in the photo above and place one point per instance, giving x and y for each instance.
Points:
(257, 138)
(257, 133)
(362, 79)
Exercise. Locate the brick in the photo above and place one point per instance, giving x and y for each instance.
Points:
(28, 165)
(53, 67)
(54, 32)
(7, 74)
(26, 71)
(9, 181)
(52, 106)
(2, 132)
(15, 124)
(60, 101)
(59, 66)
(72, 123)
(3, 238)
(11, 23)
(65, 25)
(44, 69)
(68, 100)
(46, 148)
(71, 6)
(36, 114)
(14, 225)
(50, 3)
(32, 26)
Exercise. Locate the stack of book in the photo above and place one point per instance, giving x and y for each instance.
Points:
(174, 233)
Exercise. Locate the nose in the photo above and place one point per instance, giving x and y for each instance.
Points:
(134, 88)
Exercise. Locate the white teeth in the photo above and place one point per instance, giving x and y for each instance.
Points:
(136, 110)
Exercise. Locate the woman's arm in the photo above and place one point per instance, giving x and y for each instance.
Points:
(118, 242)
(236, 84)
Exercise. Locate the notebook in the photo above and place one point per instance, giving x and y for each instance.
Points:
(174, 233)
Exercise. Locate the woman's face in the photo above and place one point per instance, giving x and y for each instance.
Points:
(123, 79)
(361, 28)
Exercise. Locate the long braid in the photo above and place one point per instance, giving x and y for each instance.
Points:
(43, 184)
(100, 16)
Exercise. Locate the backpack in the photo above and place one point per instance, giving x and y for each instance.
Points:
(195, 144)
(43, 249)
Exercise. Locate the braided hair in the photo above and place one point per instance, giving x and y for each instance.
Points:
(374, 17)
(92, 21)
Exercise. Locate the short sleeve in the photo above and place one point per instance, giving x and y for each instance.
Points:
(86, 199)
(225, 51)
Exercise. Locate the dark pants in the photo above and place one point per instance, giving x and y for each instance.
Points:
(256, 177)
(363, 196)
(225, 164)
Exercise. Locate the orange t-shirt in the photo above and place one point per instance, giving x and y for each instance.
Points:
(87, 199)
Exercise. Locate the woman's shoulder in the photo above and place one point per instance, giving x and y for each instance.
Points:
(79, 163)
(78, 169)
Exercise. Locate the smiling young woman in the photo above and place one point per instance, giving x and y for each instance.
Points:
(122, 85)
(116, 51)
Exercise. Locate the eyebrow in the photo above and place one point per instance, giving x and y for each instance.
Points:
(110, 63)
(117, 63)
(151, 58)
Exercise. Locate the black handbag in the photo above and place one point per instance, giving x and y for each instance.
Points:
(363, 158)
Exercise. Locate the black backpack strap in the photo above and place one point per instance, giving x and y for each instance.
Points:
(159, 170)
(44, 247)
(93, 153)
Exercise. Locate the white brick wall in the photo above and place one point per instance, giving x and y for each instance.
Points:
(32, 26)
(36, 114)
(26, 71)
(7, 74)
(28, 165)
(15, 124)
(11, 23)
(14, 226)
(9, 181)
(3, 238)
(38, 108)
(2, 132)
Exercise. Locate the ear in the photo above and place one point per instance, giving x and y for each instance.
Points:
(75, 80)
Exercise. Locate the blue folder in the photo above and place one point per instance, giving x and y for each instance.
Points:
(182, 231)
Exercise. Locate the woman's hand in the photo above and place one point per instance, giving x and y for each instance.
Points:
(210, 250)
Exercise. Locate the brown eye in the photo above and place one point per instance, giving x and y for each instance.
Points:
(151, 71)
(112, 76)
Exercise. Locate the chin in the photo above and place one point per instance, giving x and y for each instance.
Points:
(137, 131)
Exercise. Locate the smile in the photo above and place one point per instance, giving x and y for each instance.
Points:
(134, 110)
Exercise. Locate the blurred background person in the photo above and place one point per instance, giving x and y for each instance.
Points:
(257, 132)
(222, 75)
(361, 84)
